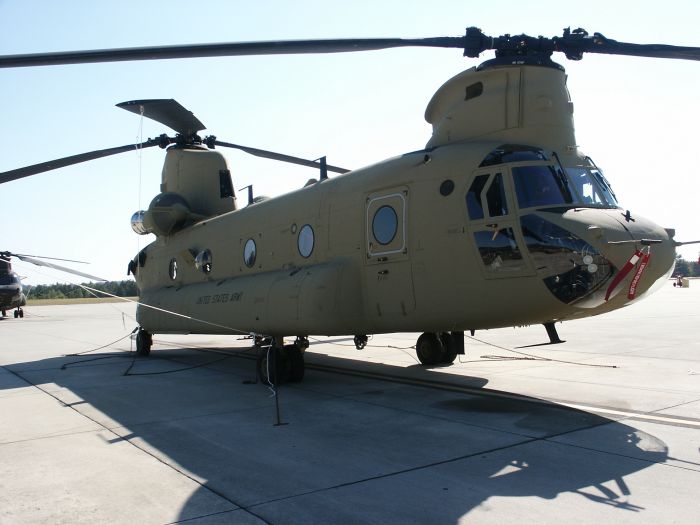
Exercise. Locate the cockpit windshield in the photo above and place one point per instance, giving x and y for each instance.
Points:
(548, 185)
(591, 187)
(541, 186)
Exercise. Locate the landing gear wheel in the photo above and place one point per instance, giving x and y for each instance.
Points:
(360, 341)
(273, 366)
(16, 314)
(296, 363)
(4, 312)
(450, 348)
(430, 349)
(144, 340)
(260, 341)
(302, 342)
(21, 313)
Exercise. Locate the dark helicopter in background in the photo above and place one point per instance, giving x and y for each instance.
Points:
(12, 296)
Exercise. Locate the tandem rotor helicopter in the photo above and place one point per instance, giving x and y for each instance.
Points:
(498, 221)
(12, 296)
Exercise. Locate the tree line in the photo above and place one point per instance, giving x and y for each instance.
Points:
(73, 291)
(686, 268)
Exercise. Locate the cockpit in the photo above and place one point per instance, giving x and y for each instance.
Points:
(513, 203)
(542, 181)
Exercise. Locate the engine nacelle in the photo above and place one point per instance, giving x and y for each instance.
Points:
(167, 213)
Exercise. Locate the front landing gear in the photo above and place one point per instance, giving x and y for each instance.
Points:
(278, 363)
(18, 313)
(144, 341)
(439, 348)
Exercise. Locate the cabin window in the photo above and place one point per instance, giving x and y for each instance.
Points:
(225, 184)
(249, 253)
(172, 269)
(203, 261)
(305, 241)
(474, 90)
(385, 224)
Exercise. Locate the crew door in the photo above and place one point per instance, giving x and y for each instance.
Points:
(388, 276)
(493, 226)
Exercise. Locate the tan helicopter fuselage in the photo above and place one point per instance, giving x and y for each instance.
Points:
(398, 246)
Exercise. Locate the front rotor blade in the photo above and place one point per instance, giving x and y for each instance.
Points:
(167, 111)
(278, 47)
(61, 268)
(19, 173)
(280, 156)
(600, 44)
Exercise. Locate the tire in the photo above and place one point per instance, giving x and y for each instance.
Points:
(429, 349)
(281, 363)
(144, 340)
(449, 348)
(296, 363)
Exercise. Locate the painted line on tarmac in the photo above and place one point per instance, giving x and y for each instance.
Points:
(440, 385)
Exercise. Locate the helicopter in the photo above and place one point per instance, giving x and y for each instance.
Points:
(12, 294)
(499, 220)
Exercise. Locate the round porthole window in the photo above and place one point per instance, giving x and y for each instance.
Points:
(172, 269)
(384, 225)
(203, 261)
(305, 241)
(249, 253)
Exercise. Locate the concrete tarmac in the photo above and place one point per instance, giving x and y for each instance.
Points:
(604, 428)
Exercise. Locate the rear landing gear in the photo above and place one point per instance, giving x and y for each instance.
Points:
(441, 348)
(144, 341)
(278, 363)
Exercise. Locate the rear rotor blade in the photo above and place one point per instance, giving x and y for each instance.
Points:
(19, 173)
(10, 254)
(61, 268)
(280, 156)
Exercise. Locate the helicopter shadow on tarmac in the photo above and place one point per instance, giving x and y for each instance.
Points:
(351, 449)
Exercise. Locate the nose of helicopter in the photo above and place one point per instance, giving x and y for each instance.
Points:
(617, 258)
(642, 252)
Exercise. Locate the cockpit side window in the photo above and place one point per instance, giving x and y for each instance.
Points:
(474, 205)
(496, 197)
(587, 190)
(591, 187)
(541, 186)
(605, 186)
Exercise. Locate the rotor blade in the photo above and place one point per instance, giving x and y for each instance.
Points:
(19, 173)
(602, 45)
(277, 47)
(61, 268)
(167, 111)
(281, 157)
(10, 254)
(678, 243)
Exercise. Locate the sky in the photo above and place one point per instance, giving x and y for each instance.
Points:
(637, 118)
